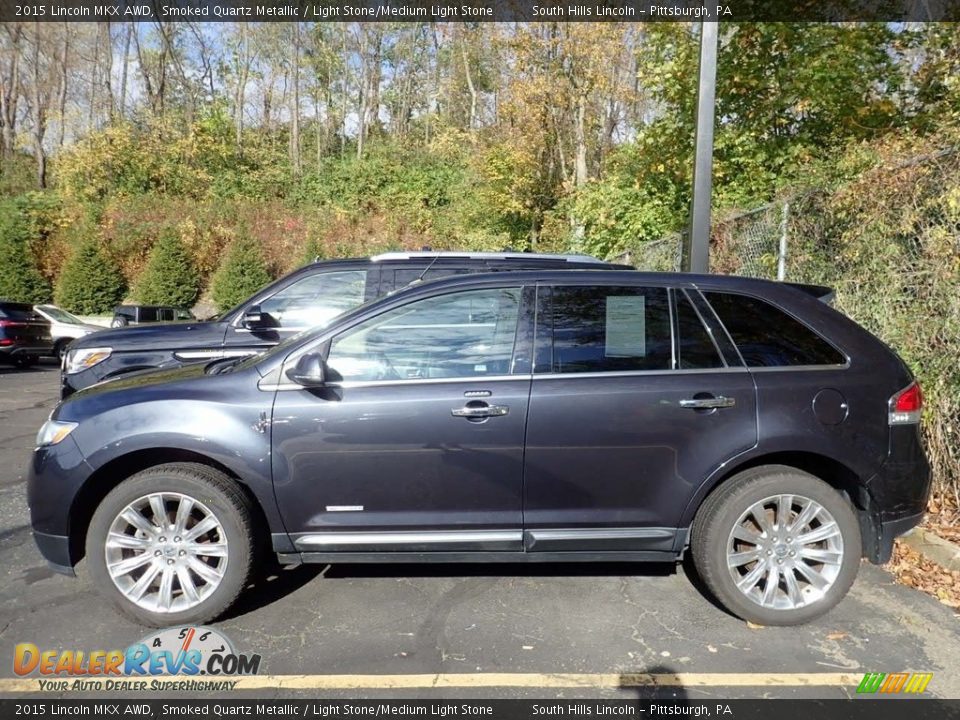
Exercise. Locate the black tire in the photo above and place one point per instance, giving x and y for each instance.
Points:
(220, 496)
(119, 321)
(721, 512)
(60, 348)
(26, 361)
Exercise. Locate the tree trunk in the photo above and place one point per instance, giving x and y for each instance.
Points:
(64, 64)
(10, 93)
(295, 105)
(240, 97)
(39, 113)
(123, 72)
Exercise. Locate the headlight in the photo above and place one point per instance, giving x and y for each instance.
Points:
(53, 431)
(83, 358)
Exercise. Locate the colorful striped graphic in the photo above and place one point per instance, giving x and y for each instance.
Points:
(894, 682)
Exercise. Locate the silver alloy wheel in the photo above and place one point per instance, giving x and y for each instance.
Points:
(166, 552)
(785, 552)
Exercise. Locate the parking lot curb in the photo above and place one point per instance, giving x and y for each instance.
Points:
(934, 548)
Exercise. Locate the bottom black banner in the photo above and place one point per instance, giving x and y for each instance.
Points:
(855, 709)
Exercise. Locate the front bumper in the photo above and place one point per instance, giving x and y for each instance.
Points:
(56, 551)
(54, 481)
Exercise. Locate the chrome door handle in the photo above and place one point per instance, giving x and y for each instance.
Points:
(708, 403)
(480, 411)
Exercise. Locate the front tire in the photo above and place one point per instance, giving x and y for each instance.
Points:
(776, 546)
(172, 545)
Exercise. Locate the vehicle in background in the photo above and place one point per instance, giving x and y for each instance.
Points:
(124, 315)
(510, 417)
(24, 334)
(65, 327)
(306, 298)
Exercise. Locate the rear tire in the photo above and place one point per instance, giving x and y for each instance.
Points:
(25, 361)
(60, 348)
(147, 552)
(119, 322)
(776, 546)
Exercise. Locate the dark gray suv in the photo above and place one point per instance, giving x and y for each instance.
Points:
(528, 416)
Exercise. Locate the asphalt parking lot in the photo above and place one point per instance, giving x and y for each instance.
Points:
(489, 631)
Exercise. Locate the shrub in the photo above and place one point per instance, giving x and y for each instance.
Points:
(90, 283)
(19, 278)
(242, 274)
(170, 277)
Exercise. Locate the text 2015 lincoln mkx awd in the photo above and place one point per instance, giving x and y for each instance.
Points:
(528, 416)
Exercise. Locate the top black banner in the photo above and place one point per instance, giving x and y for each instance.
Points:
(478, 10)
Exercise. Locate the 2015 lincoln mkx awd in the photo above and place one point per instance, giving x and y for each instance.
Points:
(527, 416)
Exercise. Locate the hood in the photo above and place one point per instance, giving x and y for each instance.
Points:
(157, 336)
(188, 382)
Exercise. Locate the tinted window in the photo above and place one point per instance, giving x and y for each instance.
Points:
(767, 336)
(315, 299)
(18, 311)
(466, 334)
(149, 314)
(696, 349)
(608, 329)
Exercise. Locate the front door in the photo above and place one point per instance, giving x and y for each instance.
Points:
(416, 442)
(632, 407)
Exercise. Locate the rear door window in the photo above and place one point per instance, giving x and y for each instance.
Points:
(767, 336)
(610, 329)
(20, 312)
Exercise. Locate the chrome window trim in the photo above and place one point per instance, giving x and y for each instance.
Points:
(706, 326)
(428, 254)
(642, 373)
(348, 384)
(802, 368)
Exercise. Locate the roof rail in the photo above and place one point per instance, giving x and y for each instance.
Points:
(572, 257)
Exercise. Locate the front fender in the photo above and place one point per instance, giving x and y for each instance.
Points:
(234, 435)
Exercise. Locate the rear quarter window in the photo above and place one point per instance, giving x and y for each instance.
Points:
(767, 336)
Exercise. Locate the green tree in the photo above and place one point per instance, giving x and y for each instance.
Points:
(91, 283)
(19, 278)
(170, 277)
(242, 274)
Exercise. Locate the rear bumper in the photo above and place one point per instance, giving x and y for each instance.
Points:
(33, 349)
(890, 530)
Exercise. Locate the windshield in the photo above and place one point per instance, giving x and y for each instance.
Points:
(59, 314)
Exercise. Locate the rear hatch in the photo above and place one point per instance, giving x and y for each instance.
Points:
(20, 324)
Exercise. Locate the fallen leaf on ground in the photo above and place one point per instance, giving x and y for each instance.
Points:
(754, 626)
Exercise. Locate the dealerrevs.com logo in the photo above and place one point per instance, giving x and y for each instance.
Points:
(183, 653)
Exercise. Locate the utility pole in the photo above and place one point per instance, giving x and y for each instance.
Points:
(696, 256)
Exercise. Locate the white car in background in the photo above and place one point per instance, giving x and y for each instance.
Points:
(64, 327)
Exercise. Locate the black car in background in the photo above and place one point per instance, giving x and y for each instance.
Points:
(510, 417)
(311, 296)
(25, 334)
(124, 315)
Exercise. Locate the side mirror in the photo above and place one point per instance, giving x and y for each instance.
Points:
(310, 371)
(253, 319)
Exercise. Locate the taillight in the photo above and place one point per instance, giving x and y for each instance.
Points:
(906, 406)
(11, 323)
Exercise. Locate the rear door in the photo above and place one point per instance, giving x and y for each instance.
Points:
(632, 406)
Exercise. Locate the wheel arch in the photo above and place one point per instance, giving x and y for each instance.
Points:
(112, 473)
(833, 472)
